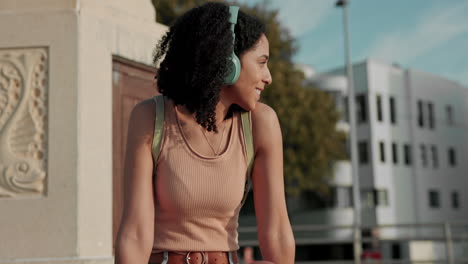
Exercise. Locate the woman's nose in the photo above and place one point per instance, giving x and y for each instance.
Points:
(267, 79)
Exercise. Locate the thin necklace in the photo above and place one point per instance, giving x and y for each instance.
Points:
(216, 153)
(219, 145)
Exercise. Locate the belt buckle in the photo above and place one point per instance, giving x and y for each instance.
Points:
(187, 257)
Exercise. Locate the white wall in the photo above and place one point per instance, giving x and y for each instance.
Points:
(445, 179)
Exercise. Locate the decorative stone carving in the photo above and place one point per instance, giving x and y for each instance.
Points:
(23, 121)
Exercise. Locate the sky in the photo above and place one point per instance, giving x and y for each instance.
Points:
(427, 35)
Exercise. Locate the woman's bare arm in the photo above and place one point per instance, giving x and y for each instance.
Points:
(274, 229)
(136, 232)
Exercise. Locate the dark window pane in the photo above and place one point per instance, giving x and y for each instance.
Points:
(420, 114)
(455, 200)
(407, 150)
(361, 108)
(379, 108)
(363, 152)
(434, 199)
(430, 108)
(394, 153)
(423, 156)
(435, 158)
(396, 251)
(382, 197)
(392, 110)
(382, 151)
(452, 158)
(449, 112)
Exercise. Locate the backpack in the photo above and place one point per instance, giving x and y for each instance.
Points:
(248, 139)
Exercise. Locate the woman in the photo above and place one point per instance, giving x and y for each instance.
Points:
(183, 207)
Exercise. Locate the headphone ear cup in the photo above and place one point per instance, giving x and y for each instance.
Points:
(234, 73)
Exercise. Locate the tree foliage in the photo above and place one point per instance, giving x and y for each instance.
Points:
(307, 115)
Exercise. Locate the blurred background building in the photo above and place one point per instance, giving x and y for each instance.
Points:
(412, 143)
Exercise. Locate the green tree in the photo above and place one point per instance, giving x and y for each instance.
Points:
(307, 115)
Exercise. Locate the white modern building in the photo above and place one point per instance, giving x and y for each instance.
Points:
(412, 144)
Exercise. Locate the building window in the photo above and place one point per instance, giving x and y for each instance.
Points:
(452, 157)
(434, 199)
(423, 155)
(379, 108)
(455, 200)
(343, 197)
(449, 113)
(392, 110)
(373, 197)
(394, 153)
(396, 251)
(407, 154)
(382, 197)
(382, 151)
(435, 158)
(368, 198)
(363, 152)
(420, 114)
(361, 107)
(430, 110)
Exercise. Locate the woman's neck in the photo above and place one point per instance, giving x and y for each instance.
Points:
(221, 111)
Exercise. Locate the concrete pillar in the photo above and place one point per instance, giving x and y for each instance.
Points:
(56, 123)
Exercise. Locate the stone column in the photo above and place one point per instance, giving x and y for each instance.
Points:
(56, 123)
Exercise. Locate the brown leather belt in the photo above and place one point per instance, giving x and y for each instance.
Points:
(206, 257)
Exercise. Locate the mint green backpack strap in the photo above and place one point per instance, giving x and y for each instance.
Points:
(248, 139)
(158, 127)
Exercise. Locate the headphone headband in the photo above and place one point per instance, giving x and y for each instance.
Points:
(234, 60)
(233, 11)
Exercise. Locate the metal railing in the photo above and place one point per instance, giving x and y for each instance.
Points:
(444, 233)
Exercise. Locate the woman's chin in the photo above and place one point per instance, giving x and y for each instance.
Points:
(252, 107)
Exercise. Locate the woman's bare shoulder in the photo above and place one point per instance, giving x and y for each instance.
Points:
(145, 108)
(141, 123)
(263, 115)
(265, 126)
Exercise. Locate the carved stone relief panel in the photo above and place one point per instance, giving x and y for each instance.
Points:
(23, 121)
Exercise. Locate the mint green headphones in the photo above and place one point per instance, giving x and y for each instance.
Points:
(234, 62)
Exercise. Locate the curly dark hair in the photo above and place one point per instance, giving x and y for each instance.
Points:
(196, 50)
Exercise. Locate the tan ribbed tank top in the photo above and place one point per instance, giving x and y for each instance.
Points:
(198, 198)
